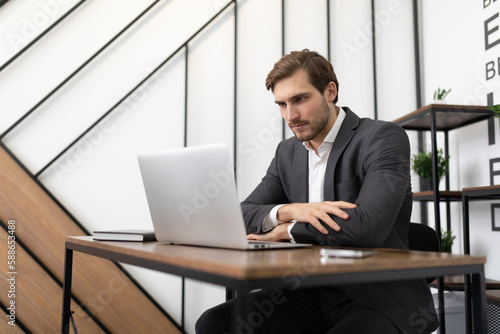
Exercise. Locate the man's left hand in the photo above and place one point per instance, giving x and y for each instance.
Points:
(279, 233)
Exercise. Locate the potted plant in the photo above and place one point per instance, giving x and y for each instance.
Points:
(496, 109)
(422, 165)
(446, 241)
(440, 95)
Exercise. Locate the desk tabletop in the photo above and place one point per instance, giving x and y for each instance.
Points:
(261, 264)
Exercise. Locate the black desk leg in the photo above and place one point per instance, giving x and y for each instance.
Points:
(229, 294)
(441, 311)
(468, 303)
(68, 273)
(478, 316)
(243, 323)
(467, 277)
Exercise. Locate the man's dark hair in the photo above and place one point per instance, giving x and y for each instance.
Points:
(319, 70)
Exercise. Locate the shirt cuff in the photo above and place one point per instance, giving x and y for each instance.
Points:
(289, 229)
(270, 221)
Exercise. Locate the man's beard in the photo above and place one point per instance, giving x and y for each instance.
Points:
(317, 125)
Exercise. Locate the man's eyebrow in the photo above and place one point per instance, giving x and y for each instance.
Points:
(303, 94)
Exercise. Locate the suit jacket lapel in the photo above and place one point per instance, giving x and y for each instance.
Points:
(300, 174)
(346, 132)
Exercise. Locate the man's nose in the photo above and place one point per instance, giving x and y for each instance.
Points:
(291, 113)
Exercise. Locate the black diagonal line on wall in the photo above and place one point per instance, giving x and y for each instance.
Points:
(3, 2)
(81, 67)
(40, 184)
(18, 321)
(54, 278)
(77, 223)
(43, 33)
(133, 90)
(35, 177)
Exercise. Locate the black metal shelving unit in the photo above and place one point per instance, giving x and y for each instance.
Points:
(444, 118)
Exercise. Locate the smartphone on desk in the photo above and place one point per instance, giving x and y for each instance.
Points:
(346, 253)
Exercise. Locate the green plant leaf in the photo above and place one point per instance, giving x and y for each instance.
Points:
(496, 109)
(440, 94)
(447, 239)
(422, 164)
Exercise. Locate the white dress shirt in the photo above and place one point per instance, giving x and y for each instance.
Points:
(317, 169)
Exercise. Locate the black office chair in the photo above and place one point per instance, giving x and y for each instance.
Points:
(423, 238)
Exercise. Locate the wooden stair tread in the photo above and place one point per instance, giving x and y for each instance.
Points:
(42, 226)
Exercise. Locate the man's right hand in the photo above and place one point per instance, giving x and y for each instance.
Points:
(312, 213)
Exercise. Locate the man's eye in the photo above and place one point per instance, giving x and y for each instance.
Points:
(300, 99)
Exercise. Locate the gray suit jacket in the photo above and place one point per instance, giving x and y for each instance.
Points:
(369, 165)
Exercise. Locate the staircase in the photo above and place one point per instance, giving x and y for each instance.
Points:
(105, 299)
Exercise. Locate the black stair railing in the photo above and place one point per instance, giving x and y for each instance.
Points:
(81, 67)
(184, 46)
(43, 33)
(133, 90)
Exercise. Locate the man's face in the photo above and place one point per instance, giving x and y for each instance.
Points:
(302, 106)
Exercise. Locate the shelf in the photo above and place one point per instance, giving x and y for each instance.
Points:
(478, 193)
(457, 283)
(443, 196)
(493, 295)
(487, 193)
(448, 117)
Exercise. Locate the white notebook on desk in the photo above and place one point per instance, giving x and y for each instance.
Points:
(192, 198)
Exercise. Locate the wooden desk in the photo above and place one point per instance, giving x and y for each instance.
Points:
(291, 268)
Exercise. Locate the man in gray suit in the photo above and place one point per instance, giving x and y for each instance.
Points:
(343, 181)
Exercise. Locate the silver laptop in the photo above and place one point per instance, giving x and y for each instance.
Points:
(193, 200)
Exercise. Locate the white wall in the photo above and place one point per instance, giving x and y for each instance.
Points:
(98, 179)
(454, 56)
(352, 49)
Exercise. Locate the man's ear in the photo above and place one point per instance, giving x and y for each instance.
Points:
(331, 91)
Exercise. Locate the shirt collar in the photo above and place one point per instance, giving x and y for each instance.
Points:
(330, 137)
